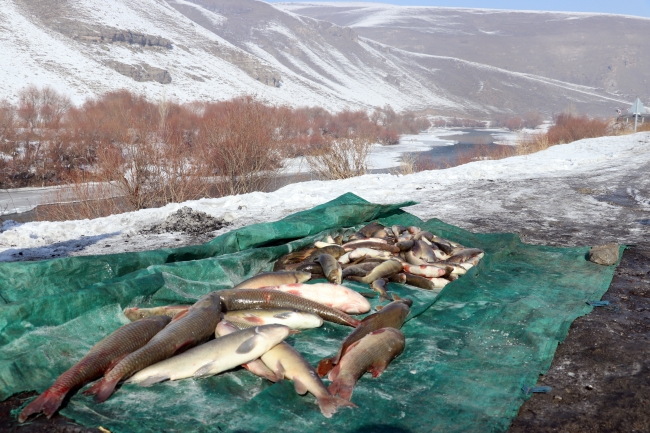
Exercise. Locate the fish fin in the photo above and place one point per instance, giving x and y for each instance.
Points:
(329, 404)
(325, 366)
(103, 389)
(248, 345)
(260, 370)
(300, 387)
(184, 346)
(294, 331)
(341, 388)
(114, 363)
(204, 371)
(279, 371)
(377, 369)
(369, 295)
(379, 308)
(395, 297)
(48, 403)
(151, 380)
(180, 315)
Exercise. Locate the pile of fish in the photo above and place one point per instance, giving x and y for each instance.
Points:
(251, 321)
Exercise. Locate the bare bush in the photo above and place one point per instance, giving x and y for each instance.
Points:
(242, 144)
(341, 158)
(571, 127)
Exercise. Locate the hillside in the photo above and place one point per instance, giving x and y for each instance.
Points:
(333, 56)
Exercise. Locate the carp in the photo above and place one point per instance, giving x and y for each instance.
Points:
(214, 357)
(371, 354)
(99, 358)
(294, 319)
(187, 329)
(331, 268)
(246, 299)
(391, 316)
(135, 313)
(273, 279)
(333, 295)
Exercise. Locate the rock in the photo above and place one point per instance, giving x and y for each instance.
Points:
(604, 254)
(141, 72)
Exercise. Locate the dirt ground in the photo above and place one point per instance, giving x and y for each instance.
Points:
(600, 376)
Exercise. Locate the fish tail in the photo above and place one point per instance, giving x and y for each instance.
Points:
(341, 387)
(102, 389)
(48, 403)
(329, 404)
(324, 366)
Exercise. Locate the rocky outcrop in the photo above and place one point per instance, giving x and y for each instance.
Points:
(248, 64)
(100, 34)
(604, 254)
(141, 72)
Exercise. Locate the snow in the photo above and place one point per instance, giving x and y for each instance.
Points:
(569, 184)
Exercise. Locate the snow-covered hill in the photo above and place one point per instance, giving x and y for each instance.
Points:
(217, 49)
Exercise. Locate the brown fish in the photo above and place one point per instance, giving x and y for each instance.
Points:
(187, 329)
(372, 353)
(265, 279)
(100, 358)
(171, 311)
(422, 282)
(371, 228)
(335, 251)
(331, 268)
(373, 245)
(379, 286)
(391, 316)
(245, 299)
(465, 254)
(398, 278)
(288, 363)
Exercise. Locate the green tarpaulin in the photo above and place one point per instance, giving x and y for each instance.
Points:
(468, 353)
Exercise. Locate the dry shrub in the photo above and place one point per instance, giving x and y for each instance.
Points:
(531, 119)
(242, 144)
(482, 152)
(531, 143)
(407, 164)
(571, 127)
(341, 158)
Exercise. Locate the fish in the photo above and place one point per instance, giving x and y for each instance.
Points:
(294, 319)
(398, 230)
(372, 245)
(368, 252)
(135, 313)
(360, 269)
(398, 278)
(443, 244)
(460, 256)
(364, 240)
(423, 282)
(429, 270)
(371, 354)
(413, 259)
(333, 250)
(405, 245)
(292, 258)
(186, 329)
(379, 286)
(414, 230)
(391, 316)
(384, 270)
(311, 267)
(331, 268)
(371, 228)
(425, 252)
(99, 358)
(289, 364)
(382, 233)
(256, 366)
(321, 244)
(246, 299)
(273, 279)
(356, 236)
(332, 295)
(221, 354)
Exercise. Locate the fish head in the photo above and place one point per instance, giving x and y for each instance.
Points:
(209, 301)
(274, 333)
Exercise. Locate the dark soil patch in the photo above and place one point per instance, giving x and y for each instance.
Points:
(188, 221)
(600, 376)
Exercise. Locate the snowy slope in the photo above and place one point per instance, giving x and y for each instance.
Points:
(225, 48)
(588, 192)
